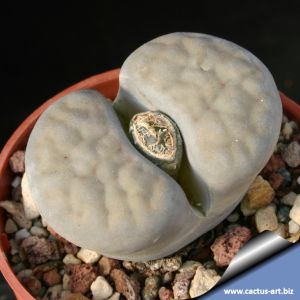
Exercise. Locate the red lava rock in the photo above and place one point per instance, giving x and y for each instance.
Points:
(81, 277)
(125, 285)
(275, 180)
(39, 250)
(16, 162)
(65, 245)
(165, 294)
(33, 285)
(274, 164)
(106, 265)
(52, 277)
(181, 285)
(226, 246)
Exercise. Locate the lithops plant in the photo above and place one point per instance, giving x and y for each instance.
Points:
(93, 187)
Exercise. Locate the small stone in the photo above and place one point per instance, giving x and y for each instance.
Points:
(289, 199)
(17, 211)
(295, 211)
(265, 219)
(260, 193)
(39, 250)
(106, 265)
(291, 154)
(182, 282)
(286, 175)
(32, 284)
(10, 226)
(39, 231)
(71, 259)
(281, 230)
(16, 162)
(273, 165)
(24, 273)
(233, 218)
(18, 267)
(226, 246)
(294, 238)
(115, 296)
(81, 277)
(66, 295)
(16, 182)
(171, 264)
(245, 209)
(30, 209)
(203, 281)
(276, 180)
(189, 266)
(21, 235)
(293, 227)
(101, 289)
(38, 223)
(46, 267)
(287, 130)
(125, 285)
(52, 277)
(67, 246)
(150, 290)
(283, 213)
(165, 294)
(298, 180)
(66, 282)
(88, 256)
(167, 277)
(53, 293)
(13, 247)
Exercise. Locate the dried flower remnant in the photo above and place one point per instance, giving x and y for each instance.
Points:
(158, 138)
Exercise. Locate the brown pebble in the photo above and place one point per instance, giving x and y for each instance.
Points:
(52, 277)
(125, 285)
(16, 162)
(226, 246)
(33, 285)
(81, 277)
(106, 265)
(76, 296)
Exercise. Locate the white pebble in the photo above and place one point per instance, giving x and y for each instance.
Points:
(266, 219)
(293, 227)
(115, 296)
(21, 235)
(10, 226)
(70, 259)
(203, 281)
(88, 256)
(295, 211)
(289, 199)
(16, 182)
(287, 130)
(39, 231)
(66, 282)
(101, 289)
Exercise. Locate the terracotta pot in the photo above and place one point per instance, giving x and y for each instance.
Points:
(107, 83)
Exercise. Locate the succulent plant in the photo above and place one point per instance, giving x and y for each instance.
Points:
(93, 187)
